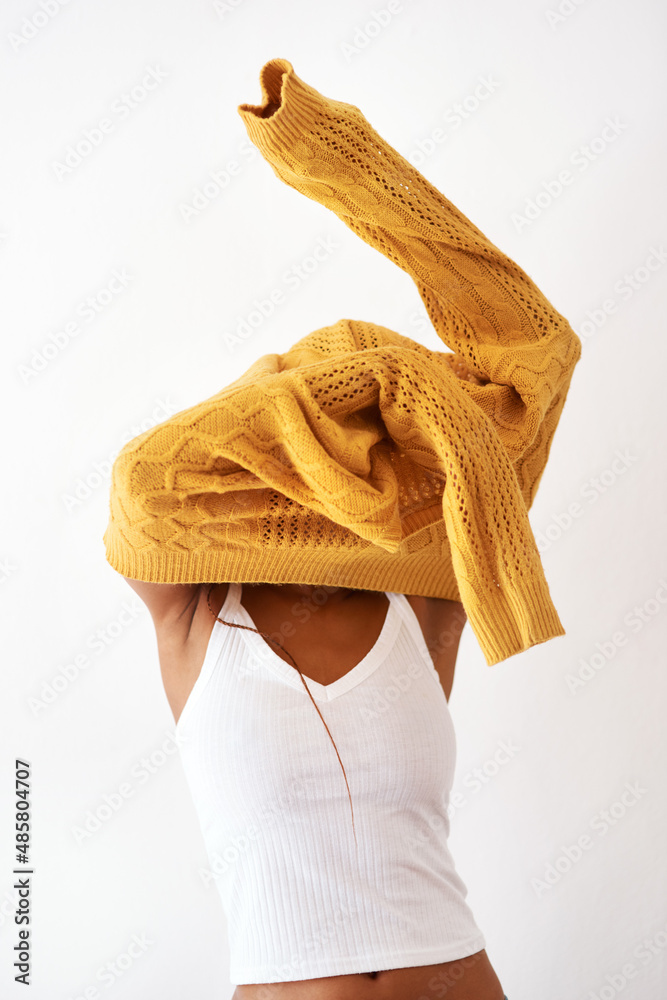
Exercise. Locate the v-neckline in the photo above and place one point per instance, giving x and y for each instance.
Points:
(321, 692)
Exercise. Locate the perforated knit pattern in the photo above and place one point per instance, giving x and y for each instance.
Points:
(361, 458)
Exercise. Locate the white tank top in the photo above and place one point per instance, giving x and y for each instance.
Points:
(301, 899)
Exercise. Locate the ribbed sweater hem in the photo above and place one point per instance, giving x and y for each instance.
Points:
(512, 626)
(363, 567)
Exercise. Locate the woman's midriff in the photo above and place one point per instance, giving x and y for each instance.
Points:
(463, 979)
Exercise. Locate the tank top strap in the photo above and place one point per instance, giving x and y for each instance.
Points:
(233, 598)
(408, 615)
(231, 602)
(411, 622)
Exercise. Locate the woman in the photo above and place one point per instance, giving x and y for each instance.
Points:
(310, 543)
(344, 626)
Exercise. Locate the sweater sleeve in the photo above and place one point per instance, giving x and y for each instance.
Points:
(514, 352)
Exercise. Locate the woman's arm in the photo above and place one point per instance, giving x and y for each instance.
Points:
(171, 605)
(442, 623)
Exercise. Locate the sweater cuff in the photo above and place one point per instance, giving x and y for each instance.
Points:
(513, 625)
(297, 104)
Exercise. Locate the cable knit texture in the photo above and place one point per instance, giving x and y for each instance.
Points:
(360, 458)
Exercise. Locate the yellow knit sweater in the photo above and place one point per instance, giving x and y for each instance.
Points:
(360, 458)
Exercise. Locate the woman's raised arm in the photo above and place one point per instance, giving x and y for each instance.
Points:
(168, 603)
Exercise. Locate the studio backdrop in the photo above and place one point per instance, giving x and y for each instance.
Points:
(148, 255)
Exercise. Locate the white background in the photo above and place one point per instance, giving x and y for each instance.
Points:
(598, 928)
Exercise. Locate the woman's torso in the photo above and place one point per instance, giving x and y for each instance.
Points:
(327, 643)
